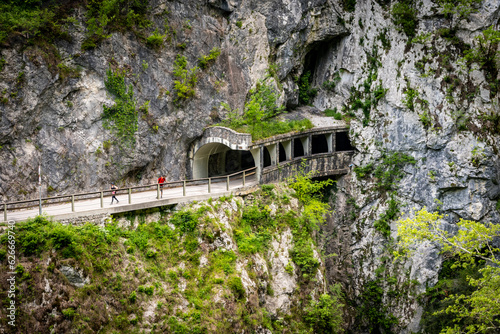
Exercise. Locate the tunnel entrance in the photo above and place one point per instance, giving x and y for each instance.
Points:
(216, 159)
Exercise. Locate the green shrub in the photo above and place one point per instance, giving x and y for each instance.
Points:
(155, 40)
(325, 315)
(349, 5)
(236, 287)
(461, 8)
(452, 280)
(223, 261)
(185, 221)
(69, 313)
(204, 61)
(186, 79)
(410, 96)
(333, 113)
(306, 92)
(289, 268)
(148, 290)
(31, 242)
(425, 118)
(61, 237)
(404, 16)
(363, 172)
(382, 224)
(302, 255)
(106, 16)
(132, 297)
(372, 311)
(390, 170)
(267, 188)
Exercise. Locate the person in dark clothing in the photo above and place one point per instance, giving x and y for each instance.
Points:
(114, 188)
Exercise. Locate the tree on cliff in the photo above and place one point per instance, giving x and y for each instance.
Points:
(478, 312)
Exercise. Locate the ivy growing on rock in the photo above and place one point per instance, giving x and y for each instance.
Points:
(120, 118)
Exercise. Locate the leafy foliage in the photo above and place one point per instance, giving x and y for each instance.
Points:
(106, 16)
(204, 61)
(156, 40)
(30, 19)
(121, 118)
(479, 311)
(309, 194)
(382, 224)
(372, 309)
(186, 79)
(258, 115)
(325, 315)
(486, 55)
(306, 92)
(404, 16)
(460, 8)
(333, 113)
(255, 229)
(236, 286)
(349, 5)
(303, 256)
(388, 172)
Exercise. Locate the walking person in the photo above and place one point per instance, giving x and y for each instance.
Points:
(161, 181)
(114, 188)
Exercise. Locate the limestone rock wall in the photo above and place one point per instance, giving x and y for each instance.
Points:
(451, 131)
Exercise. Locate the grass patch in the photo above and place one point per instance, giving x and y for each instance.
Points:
(259, 114)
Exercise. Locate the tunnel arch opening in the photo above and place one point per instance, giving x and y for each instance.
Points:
(217, 159)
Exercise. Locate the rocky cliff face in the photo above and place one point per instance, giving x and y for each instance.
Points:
(220, 266)
(413, 95)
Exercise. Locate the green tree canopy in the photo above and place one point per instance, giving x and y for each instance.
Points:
(480, 309)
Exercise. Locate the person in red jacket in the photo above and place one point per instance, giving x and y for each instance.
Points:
(161, 180)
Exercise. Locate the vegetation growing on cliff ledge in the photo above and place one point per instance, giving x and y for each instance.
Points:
(259, 115)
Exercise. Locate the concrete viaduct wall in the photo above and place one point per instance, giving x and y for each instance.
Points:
(326, 150)
(334, 163)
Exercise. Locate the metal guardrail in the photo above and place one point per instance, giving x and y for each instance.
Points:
(19, 205)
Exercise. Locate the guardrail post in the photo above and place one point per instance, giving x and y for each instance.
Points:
(209, 185)
(5, 211)
(158, 191)
(243, 178)
(227, 183)
(102, 199)
(184, 188)
(129, 196)
(72, 203)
